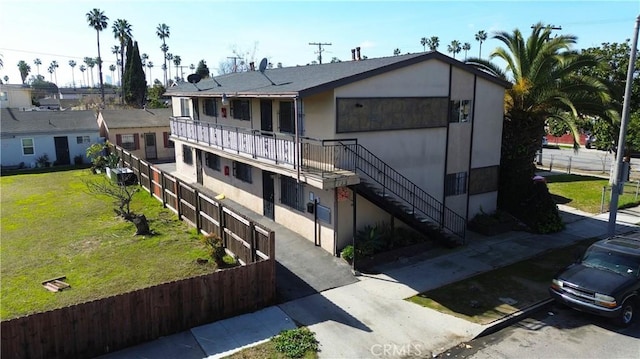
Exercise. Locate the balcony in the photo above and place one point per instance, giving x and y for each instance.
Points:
(322, 164)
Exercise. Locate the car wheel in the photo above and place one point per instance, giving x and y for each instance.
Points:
(627, 314)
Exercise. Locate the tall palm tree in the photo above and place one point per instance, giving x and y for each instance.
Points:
(546, 83)
(177, 60)
(98, 20)
(150, 66)
(481, 36)
(144, 58)
(112, 68)
(115, 49)
(37, 62)
(51, 70)
(24, 69)
(163, 33)
(433, 42)
(122, 32)
(54, 66)
(454, 47)
(90, 64)
(424, 41)
(169, 57)
(466, 47)
(82, 69)
(73, 64)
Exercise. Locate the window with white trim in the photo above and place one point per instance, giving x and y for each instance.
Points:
(83, 139)
(128, 142)
(455, 184)
(292, 193)
(460, 111)
(184, 107)
(27, 146)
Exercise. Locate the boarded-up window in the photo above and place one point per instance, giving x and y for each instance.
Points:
(483, 180)
(379, 114)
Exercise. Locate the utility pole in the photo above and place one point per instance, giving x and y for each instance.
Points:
(616, 182)
(320, 49)
(235, 63)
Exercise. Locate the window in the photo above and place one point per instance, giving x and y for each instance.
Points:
(184, 107)
(187, 155)
(455, 184)
(213, 161)
(128, 142)
(242, 171)
(27, 146)
(241, 109)
(287, 118)
(210, 107)
(292, 193)
(3, 96)
(460, 111)
(83, 139)
(167, 142)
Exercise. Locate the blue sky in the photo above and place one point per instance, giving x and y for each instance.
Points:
(282, 30)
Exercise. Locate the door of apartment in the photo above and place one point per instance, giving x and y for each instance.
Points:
(62, 150)
(266, 115)
(268, 194)
(150, 149)
(199, 166)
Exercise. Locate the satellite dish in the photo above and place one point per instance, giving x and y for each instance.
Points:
(263, 65)
(194, 78)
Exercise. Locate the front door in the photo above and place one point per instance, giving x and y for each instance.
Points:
(62, 150)
(199, 166)
(150, 149)
(266, 116)
(267, 194)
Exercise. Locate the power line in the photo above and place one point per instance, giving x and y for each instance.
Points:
(320, 49)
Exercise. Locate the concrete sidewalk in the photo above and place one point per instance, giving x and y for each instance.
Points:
(370, 318)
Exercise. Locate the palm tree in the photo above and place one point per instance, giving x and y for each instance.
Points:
(116, 51)
(150, 66)
(6, 78)
(433, 42)
(90, 64)
(192, 67)
(454, 47)
(73, 77)
(163, 33)
(112, 68)
(121, 32)
(177, 60)
(396, 52)
(37, 62)
(82, 69)
(546, 83)
(54, 66)
(466, 47)
(481, 36)
(51, 70)
(169, 57)
(98, 21)
(24, 70)
(424, 42)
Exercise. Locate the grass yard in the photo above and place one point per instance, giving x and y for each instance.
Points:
(585, 192)
(492, 295)
(51, 227)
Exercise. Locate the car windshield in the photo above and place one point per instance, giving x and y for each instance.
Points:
(613, 261)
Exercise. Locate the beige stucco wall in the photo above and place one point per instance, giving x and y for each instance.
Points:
(17, 97)
(320, 115)
(161, 151)
(185, 170)
(487, 133)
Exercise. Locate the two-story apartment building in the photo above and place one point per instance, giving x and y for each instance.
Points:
(327, 149)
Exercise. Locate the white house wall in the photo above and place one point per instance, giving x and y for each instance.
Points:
(485, 202)
(487, 134)
(44, 144)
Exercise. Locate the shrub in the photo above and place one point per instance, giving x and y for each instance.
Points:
(215, 248)
(294, 343)
(347, 253)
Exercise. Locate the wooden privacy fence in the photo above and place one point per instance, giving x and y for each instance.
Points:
(105, 325)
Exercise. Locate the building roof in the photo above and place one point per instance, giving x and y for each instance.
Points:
(136, 118)
(311, 79)
(14, 122)
(86, 91)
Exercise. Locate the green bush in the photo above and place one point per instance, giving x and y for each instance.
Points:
(295, 343)
(215, 248)
(347, 253)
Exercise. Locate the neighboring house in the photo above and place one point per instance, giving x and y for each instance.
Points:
(61, 135)
(15, 96)
(67, 93)
(328, 149)
(143, 132)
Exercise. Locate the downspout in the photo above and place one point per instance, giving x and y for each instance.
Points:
(298, 155)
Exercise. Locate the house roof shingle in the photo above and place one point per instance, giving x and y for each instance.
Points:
(308, 80)
(14, 122)
(136, 118)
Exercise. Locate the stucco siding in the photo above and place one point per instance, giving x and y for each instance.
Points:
(458, 147)
(461, 84)
(487, 133)
(185, 170)
(44, 144)
(162, 152)
(319, 116)
(485, 202)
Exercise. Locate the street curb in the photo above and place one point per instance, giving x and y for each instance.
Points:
(513, 318)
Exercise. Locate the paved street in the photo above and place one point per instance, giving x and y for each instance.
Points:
(592, 161)
(555, 332)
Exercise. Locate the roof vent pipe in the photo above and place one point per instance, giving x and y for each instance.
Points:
(358, 53)
(353, 54)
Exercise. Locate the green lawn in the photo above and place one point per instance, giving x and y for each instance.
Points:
(51, 226)
(585, 192)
